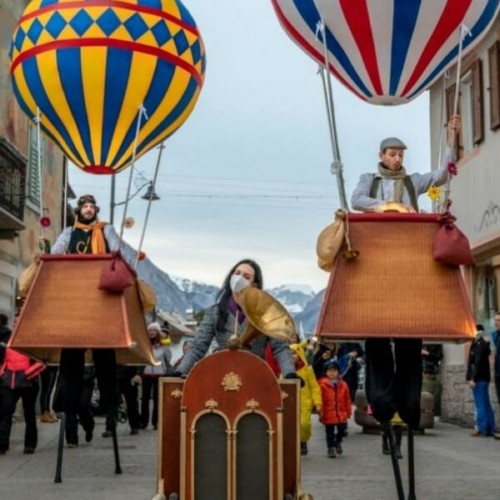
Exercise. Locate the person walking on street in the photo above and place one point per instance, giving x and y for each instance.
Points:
(336, 407)
(151, 375)
(19, 381)
(478, 377)
(432, 355)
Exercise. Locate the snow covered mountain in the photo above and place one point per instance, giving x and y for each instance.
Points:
(294, 297)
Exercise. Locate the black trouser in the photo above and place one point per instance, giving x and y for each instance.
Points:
(48, 381)
(10, 397)
(83, 416)
(149, 386)
(71, 373)
(131, 394)
(334, 434)
(394, 383)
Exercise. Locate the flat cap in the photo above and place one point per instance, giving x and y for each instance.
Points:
(392, 142)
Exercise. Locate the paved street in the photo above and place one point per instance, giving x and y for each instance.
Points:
(450, 465)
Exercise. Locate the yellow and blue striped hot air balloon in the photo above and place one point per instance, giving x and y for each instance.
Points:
(90, 65)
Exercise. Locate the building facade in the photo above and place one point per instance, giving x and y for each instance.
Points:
(25, 195)
(475, 195)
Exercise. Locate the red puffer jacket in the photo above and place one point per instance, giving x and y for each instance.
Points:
(336, 402)
(18, 370)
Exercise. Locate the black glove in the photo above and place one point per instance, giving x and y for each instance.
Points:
(294, 376)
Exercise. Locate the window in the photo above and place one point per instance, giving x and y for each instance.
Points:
(470, 107)
(494, 84)
(32, 175)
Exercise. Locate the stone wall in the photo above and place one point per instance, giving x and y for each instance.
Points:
(457, 405)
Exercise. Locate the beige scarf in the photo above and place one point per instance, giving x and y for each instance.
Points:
(396, 175)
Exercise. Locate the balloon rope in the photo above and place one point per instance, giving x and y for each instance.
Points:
(148, 210)
(337, 166)
(463, 31)
(435, 204)
(65, 207)
(142, 112)
(37, 120)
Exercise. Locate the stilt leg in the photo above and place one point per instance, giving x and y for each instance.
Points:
(411, 466)
(118, 469)
(60, 447)
(386, 427)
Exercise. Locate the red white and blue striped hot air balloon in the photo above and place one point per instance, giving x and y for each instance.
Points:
(89, 66)
(386, 51)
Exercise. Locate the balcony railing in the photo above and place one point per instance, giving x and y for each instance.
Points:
(12, 187)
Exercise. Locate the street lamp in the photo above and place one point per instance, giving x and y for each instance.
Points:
(149, 195)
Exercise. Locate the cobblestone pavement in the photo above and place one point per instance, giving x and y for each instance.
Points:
(450, 464)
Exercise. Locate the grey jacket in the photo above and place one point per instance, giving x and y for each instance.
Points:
(362, 201)
(62, 242)
(207, 332)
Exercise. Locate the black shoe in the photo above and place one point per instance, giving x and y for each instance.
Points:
(72, 445)
(339, 449)
(107, 434)
(142, 426)
(3, 451)
(331, 453)
(29, 451)
(303, 448)
(134, 432)
(398, 452)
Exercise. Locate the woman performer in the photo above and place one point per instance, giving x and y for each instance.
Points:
(226, 316)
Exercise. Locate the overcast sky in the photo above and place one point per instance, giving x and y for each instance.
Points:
(248, 174)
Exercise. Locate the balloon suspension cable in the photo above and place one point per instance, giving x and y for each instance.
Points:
(38, 119)
(446, 75)
(463, 32)
(161, 147)
(142, 112)
(65, 195)
(337, 166)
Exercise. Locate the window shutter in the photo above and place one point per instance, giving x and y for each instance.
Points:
(477, 103)
(494, 84)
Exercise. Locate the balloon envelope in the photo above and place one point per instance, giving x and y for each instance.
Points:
(91, 66)
(386, 51)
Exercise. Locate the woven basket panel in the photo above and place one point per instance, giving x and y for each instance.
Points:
(395, 288)
(141, 349)
(66, 309)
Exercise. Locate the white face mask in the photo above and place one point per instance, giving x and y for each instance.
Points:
(237, 283)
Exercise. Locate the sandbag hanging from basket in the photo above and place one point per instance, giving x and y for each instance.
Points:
(330, 241)
(116, 275)
(450, 245)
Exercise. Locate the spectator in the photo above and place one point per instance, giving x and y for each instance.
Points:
(322, 355)
(336, 407)
(432, 355)
(20, 381)
(478, 376)
(310, 394)
(151, 374)
(350, 356)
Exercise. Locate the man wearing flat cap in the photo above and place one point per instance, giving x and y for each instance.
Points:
(88, 236)
(391, 184)
(394, 380)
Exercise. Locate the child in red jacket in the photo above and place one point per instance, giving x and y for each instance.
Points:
(336, 408)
